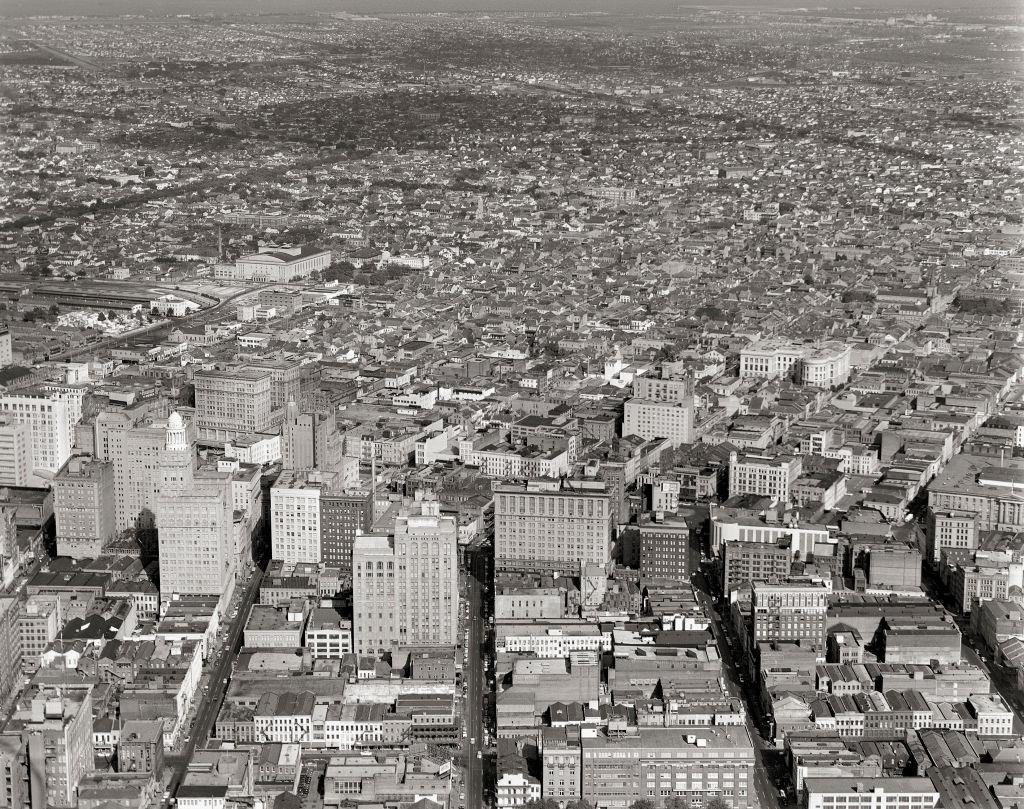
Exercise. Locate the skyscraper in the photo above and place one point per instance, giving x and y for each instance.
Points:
(15, 453)
(195, 520)
(47, 417)
(232, 401)
(83, 506)
(309, 440)
(58, 741)
(405, 588)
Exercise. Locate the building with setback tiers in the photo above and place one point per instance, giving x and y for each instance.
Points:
(195, 520)
(405, 588)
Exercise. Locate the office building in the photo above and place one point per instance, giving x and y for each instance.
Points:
(405, 589)
(194, 516)
(654, 389)
(59, 747)
(47, 418)
(950, 529)
(649, 418)
(328, 634)
(295, 516)
(870, 793)
(342, 516)
(10, 646)
(232, 401)
(6, 347)
(16, 462)
(134, 452)
(39, 620)
(744, 562)
(545, 526)
(84, 506)
(981, 485)
(763, 475)
(697, 764)
(790, 612)
(664, 547)
(309, 440)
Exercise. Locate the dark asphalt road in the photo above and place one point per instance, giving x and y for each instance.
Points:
(210, 702)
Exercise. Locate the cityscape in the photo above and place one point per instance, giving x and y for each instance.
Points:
(581, 406)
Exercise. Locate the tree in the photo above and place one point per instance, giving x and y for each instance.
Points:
(580, 804)
(717, 803)
(643, 803)
(541, 803)
(676, 802)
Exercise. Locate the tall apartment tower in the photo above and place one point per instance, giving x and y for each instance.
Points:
(232, 401)
(48, 419)
(15, 453)
(194, 516)
(59, 749)
(405, 589)
(309, 440)
(83, 506)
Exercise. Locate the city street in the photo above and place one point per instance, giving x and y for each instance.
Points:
(473, 676)
(765, 791)
(210, 702)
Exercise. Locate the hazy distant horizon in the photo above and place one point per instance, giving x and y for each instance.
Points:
(25, 8)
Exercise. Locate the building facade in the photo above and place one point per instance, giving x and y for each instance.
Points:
(83, 506)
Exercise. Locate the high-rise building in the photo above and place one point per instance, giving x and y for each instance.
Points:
(790, 611)
(951, 529)
(38, 624)
(656, 389)
(744, 562)
(285, 379)
(134, 451)
(15, 453)
(295, 516)
(47, 417)
(232, 401)
(10, 647)
(309, 440)
(664, 547)
(13, 773)
(342, 516)
(547, 526)
(405, 588)
(59, 748)
(763, 475)
(6, 347)
(194, 516)
(83, 506)
(649, 418)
